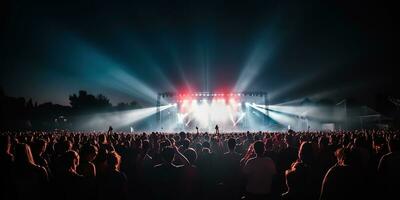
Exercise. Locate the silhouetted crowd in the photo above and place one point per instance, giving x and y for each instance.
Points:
(263, 165)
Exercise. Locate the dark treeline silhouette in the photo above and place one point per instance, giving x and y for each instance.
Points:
(84, 101)
(22, 114)
(200, 166)
(18, 113)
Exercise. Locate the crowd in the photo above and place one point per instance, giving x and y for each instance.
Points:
(262, 165)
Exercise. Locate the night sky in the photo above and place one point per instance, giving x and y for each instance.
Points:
(130, 50)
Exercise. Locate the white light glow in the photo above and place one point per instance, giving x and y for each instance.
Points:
(121, 119)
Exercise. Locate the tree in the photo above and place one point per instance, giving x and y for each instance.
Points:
(29, 104)
(127, 106)
(133, 104)
(102, 101)
(88, 102)
(121, 106)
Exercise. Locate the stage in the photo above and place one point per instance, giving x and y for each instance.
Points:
(230, 111)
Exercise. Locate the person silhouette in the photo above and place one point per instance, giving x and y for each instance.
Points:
(110, 129)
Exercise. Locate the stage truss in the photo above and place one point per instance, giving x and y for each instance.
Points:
(205, 110)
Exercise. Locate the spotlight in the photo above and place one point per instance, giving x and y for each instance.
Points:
(239, 104)
(175, 104)
(232, 101)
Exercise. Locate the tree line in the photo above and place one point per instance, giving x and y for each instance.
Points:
(18, 113)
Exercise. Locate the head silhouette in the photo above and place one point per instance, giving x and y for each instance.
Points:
(168, 154)
(259, 148)
(191, 155)
(231, 144)
(70, 160)
(306, 153)
(23, 154)
(344, 156)
(88, 152)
